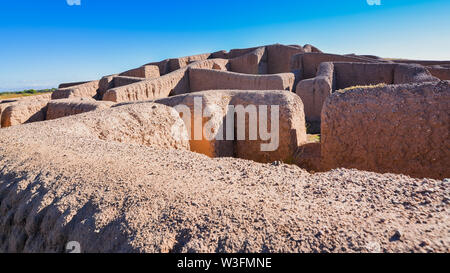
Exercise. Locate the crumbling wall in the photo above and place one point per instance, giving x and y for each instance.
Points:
(310, 48)
(68, 107)
(353, 74)
(440, 72)
(409, 73)
(291, 129)
(145, 71)
(315, 91)
(24, 112)
(279, 57)
(6, 103)
(178, 63)
(254, 62)
(176, 82)
(217, 64)
(88, 89)
(341, 75)
(395, 128)
(70, 84)
(308, 63)
(207, 79)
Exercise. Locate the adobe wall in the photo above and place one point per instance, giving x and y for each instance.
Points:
(173, 83)
(145, 71)
(340, 75)
(176, 82)
(279, 57)
(163, 66)
(308, 63)
(311, 48)
(233, 53)
(409, 73)
(88, 89)
(442, 73)
(206, 79)
(395, 128)
(421, 62)
(217, 64)
(314, 91)
(24, 112)
(354, 74)
(254, 62)
(119, 81)
(70, 84)
(292, 130)
(178, 63)
(68, 107)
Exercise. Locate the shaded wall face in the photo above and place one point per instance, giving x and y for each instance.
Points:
(310, 62)
(398, 128)
(353, 74)
(441, 73)
(279, 57)
(205, 79)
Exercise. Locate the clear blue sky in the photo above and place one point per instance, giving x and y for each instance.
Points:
(45, 42)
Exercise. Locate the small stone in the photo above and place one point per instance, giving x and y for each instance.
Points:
(276, 163)
(396, 237)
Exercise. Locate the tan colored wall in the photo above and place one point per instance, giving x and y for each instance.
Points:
(340, 75)
(216, 64)
(308, 63)
(178, 63)
(172, 83)
(310, 48)
(68, 107)
(279, 57)
(145, 71)
(70, 84)
(352, 74)
(292, 130)
(254, 62)
(442, 73)
(206, 79)
(120, 81)
(397, 128)
(24, 112)
(88, 89)
(315, 91)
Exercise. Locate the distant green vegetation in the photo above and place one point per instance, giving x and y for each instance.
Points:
(24, 93)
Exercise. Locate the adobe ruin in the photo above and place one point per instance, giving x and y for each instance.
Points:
(123, 148)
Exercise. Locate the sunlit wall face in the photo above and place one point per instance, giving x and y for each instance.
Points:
(47, 42)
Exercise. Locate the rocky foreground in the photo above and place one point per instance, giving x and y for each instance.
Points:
(76, 179)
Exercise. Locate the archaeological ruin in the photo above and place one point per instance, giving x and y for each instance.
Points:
(287, 133)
